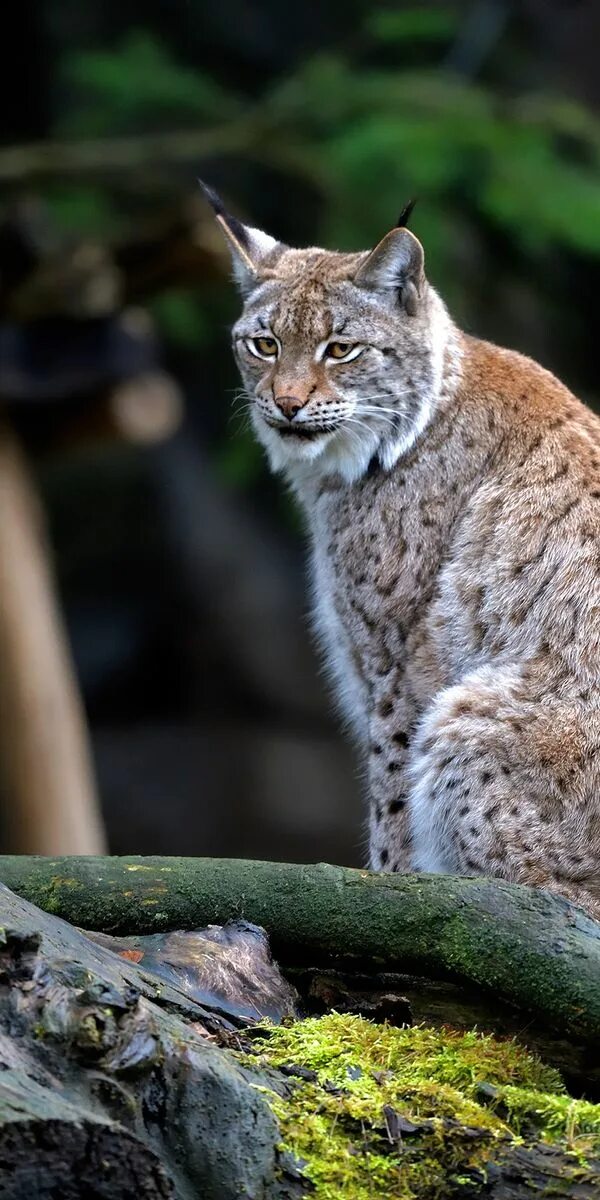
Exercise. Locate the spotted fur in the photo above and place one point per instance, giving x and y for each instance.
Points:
(452, 491)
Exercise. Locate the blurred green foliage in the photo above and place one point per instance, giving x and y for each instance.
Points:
(365, 135)
(85, 209)
(411, 25)
(138, 86)
(182, 318)
(506, 181)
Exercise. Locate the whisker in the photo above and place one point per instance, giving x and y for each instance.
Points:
(241, 414)
(387, 414)
(360, 425)
(368, 418)
(385, 421)
(242, 426)
(354, 435)
(376, 408)
(388, 395)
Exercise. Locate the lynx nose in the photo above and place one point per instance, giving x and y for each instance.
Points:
(289, 406)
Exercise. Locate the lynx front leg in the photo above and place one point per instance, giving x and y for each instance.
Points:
(390, 840)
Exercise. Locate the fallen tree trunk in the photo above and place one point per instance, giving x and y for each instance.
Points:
(110, 1090)
(53, 1146)
(520, 945)
(112, 1085)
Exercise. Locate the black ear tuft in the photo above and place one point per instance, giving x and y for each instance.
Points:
(236, 227)
(213, 198)
(404, 217)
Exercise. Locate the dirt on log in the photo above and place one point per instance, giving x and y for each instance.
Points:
(518, 945)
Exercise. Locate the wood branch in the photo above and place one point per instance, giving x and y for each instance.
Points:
(110, 1088)
(523, 946)
(50, 803)
(252, 137)
(103, 155)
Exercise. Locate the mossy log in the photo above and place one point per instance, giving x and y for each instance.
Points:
(522, 946)
(112, 1091)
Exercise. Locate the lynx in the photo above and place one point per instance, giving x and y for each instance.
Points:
(452, 495)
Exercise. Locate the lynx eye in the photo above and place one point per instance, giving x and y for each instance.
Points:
(342, 351)
(263, 347)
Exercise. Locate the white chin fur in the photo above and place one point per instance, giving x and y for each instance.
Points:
(283, 453)
(341, 452)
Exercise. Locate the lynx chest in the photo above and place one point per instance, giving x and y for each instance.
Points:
(372, 569)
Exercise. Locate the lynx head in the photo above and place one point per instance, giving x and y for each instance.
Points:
(340, 354)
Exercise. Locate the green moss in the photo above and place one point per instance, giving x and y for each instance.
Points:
(343, 1123)
(331, 1045)
(553, 1118)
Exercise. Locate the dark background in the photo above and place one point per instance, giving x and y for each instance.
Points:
(180, 562)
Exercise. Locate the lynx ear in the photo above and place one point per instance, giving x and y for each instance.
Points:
(249, 247)
(395, 266)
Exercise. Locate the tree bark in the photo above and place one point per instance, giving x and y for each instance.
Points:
(49, 1146)
(45, 762)
(111, 1084)
(519, 945)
